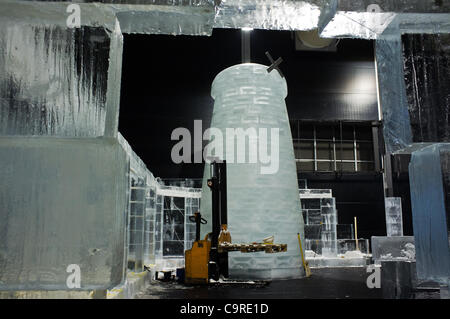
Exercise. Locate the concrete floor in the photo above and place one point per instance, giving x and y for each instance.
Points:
(329, 283)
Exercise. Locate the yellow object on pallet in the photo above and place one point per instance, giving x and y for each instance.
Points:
(196, 262)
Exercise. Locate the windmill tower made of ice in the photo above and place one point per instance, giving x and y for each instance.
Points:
(263, 196)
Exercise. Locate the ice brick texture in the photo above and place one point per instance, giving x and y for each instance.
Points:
(427, 69)
(394, 222)
(58, 81)
(259, 205)
(429, 172)
(62, 202)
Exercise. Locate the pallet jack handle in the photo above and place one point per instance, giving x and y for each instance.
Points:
(305, 264)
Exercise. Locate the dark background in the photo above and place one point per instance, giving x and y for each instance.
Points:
(166, 82)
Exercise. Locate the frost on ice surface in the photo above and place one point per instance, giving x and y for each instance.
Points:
(259, 205)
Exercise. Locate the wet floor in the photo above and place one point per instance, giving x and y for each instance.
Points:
(329, 283)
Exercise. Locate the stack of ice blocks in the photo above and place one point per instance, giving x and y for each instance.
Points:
(320, 217)
(259, 205)
(324, 237)
(173, 231)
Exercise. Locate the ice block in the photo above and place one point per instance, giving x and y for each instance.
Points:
(394, 222)
(173, 231)
(396, 120)
(62, 203)
(429, 175)
(59, 81)
(137, 224)
(393, 248)
(427, 68)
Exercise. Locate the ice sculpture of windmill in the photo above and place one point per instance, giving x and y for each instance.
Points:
(262, 194)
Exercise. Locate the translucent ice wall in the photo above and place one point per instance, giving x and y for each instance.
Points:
(369, 19)
(60, 205)
(392, 248)
(392, 96)
(141, 211)
(178, 232)
(259, 205)
(173, 231)
(414, 88)
(394, 221)
(427, 69)
(429, 173)
(198, 17)
(59, 81)
(64, 175)
(320, 217)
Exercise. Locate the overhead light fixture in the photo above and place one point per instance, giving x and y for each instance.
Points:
(311, 41)
(246, 29)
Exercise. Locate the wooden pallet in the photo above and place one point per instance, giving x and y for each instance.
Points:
(253, 247)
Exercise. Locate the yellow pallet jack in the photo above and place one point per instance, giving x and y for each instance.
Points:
(207, 261)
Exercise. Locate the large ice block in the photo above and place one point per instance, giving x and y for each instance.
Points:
(268, 14)
(427, 69)
(59, 81)
(393, 102)
(259, 205)
(414, 88)
(173, 231)
(320, 218)
(393, 248)
(369, 19)
(62, 202)
(150, 213)
(429, 175)
(137, 223)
